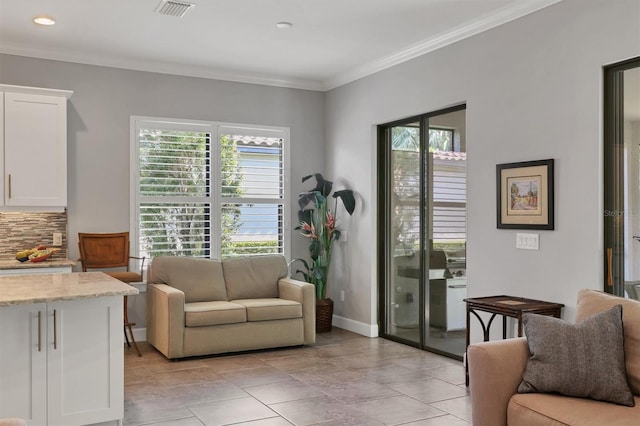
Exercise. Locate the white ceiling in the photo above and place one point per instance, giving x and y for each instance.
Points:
(332, 42)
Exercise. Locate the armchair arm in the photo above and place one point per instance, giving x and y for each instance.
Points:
(305, 293)
(495, 371)
(165, 319)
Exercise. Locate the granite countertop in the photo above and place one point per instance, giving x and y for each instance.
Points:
(49, 263)
(39, 288)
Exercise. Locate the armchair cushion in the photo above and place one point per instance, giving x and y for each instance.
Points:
(592, 301)
(580, 360)
(551, 409)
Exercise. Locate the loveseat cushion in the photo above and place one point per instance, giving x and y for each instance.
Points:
(201, 280)
(270, 309)
(592, 301)
(254, 277)
(533, 409)
(200, 314)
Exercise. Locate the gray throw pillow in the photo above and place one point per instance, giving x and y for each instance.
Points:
(581, 360)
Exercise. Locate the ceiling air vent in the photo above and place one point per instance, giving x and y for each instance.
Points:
(174, 8)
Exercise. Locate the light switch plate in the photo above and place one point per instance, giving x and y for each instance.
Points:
(527, 241)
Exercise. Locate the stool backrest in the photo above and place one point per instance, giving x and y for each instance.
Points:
(104, 250)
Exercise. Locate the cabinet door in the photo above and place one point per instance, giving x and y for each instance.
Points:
(35, 150)
(23, 362)
(85, 361)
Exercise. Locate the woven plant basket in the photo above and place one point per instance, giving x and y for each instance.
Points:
(324, 315)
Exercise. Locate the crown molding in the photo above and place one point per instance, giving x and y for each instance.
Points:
(509, 13)
(161, 67)
(484, 23)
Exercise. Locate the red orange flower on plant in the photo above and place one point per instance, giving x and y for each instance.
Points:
(318, 223)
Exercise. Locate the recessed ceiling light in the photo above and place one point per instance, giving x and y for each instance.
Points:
(284, 25)
(44, 20)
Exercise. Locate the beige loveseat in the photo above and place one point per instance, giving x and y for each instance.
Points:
(496, 370)
(201, 306)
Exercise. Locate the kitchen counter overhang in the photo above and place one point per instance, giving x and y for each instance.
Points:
(10, 264)
(40, 288)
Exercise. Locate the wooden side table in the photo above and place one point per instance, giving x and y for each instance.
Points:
(507, 306)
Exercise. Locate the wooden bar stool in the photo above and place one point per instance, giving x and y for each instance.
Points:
(110, 251)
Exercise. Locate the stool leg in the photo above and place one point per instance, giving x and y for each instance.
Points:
(128, 324)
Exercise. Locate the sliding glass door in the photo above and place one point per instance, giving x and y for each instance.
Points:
(422, 229)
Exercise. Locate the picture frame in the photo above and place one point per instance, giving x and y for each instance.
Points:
(524, 194)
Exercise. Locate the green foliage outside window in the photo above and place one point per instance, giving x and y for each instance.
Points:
(178, 165)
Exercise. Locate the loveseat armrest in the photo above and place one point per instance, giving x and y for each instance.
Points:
(304, 293)
(495, 371)
(165, 319)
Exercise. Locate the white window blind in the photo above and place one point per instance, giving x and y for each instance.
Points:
(253, 189)
(449, 195)
(209, 189)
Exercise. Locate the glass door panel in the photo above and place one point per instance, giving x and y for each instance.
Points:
(622, 178)
(445, 234)
(404, 272)
(422, 228)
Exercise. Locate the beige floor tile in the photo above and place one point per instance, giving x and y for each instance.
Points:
(274, 421)
(255, 376)
(351, 391)
(290, 390)
(459, 407)
(231, 411)
(353, 421)
(429, 390)
(393, 373)
(453, 374)
(153, 411)
(397, 410)
(343, 380)
(447, 420)
(190, 421)
(312, 411)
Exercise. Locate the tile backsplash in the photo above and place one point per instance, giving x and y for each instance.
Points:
(20, 231)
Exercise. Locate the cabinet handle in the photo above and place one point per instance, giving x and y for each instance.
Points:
(39, 331)
(9, 185)
(55, 333)
(610, 267)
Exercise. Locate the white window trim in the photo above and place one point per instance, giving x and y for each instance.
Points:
(212, 127)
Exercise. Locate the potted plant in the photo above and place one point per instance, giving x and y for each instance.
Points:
(318, 224)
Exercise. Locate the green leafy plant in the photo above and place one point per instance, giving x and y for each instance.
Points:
(318, 224)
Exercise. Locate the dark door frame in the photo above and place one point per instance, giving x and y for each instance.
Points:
(383, 198)
(614, 211)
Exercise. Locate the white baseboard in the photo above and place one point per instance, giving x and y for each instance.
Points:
(140, 334)
(368, 330)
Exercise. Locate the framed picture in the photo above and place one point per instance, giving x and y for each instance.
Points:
(525, 195)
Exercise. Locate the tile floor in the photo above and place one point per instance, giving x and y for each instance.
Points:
(345, 379)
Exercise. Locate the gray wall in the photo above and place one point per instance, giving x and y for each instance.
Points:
(533, 89)
(98, 129)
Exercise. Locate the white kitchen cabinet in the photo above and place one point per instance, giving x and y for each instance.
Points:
(61, 362)
(34, 144)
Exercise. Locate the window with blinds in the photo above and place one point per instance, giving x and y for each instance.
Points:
(209, 189)
(448, 188)
(449, 196)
